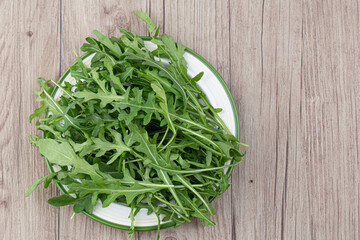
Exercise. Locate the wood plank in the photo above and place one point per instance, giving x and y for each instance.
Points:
(29, 48)
(252, 70)
(296, 90)
(330, 92)
(79, 19)
(204, 27)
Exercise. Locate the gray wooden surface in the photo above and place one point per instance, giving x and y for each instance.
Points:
(293, 68)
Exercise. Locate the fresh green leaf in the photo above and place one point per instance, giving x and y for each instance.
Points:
(113, 47)
(62, 200)
(63, 154)
(38, 182)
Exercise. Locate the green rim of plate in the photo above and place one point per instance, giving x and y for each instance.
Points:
(228, 173)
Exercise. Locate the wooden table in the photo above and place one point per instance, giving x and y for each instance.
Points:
(293, 68)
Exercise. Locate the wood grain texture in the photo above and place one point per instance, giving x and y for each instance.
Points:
(293, 68)
(29, 40)
(297, 94)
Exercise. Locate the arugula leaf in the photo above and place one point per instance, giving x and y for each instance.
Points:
(146, 18)
(63, 154)
(105, 97)
(112, 190)
(62, 200)
(160, 93)
(80, 204)
(151, 153)
(197, 210)
(113, 47)
(47, 178)
(117, 145)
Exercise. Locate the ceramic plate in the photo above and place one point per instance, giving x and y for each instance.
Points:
(218, 94)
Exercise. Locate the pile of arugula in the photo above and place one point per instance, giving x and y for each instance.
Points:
(134, 131)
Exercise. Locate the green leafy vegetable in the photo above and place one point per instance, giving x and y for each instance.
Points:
(134, 130)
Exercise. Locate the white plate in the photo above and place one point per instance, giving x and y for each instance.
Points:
(116, 214)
